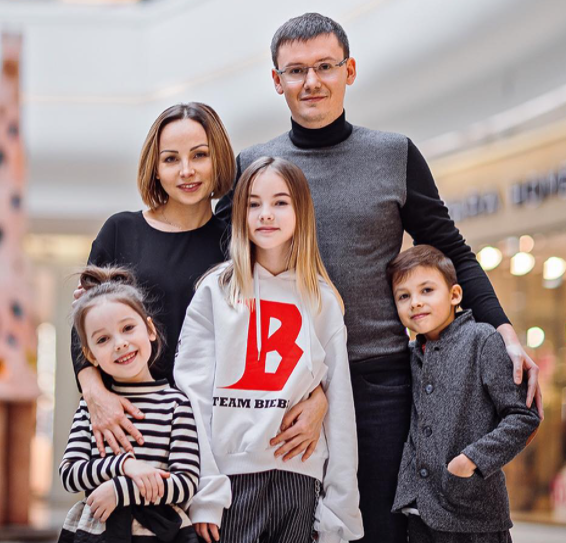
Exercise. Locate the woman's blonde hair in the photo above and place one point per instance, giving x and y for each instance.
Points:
(304, 256)
(221, 152)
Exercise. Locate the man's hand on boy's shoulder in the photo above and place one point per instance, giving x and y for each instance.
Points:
(522, 362)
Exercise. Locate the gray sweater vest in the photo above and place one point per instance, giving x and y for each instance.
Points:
(358, 187)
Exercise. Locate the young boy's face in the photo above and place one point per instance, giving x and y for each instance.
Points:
(425, 303)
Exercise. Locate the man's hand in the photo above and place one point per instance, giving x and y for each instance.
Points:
(148, 479)
(522, 361)
(207, 530)
(300, 429)
(102, 501)
(461, 466)
(107, 414)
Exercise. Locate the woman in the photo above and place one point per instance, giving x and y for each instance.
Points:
(186, 160)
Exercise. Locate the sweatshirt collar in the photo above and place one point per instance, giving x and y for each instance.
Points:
(312, 138)
(140, 388)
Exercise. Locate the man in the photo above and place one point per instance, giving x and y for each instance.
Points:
(368, 187)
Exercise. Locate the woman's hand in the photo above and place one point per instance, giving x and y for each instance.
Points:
(148, 479)
(102, 501)
(522, 361)
(78, 292)
(108, 414)
(461, 466)
(300, 429)
(207, 531)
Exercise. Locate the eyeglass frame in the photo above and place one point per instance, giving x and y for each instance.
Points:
(338, 65)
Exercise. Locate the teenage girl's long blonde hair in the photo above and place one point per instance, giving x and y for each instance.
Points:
(304, 256)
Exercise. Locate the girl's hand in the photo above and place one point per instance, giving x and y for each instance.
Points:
(207, 531)
(102, 501)
(461, 466)
(148, 479)
(300, 429)
(108, 414)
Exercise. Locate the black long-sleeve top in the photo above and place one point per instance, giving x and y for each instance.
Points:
(166, 264)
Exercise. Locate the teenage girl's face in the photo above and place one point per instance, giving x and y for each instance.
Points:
(119, 341)
(184, 167)
(271, 217)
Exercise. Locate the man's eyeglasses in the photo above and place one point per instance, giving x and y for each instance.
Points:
(325, 71)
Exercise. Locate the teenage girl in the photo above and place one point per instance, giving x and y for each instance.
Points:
(261, 332)
(118, 336)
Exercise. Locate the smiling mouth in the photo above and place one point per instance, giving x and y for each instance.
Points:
(126, 359)
(189, 187)
(419, 316)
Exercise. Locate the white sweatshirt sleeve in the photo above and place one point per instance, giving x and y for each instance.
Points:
(338, 517)
(194, 375)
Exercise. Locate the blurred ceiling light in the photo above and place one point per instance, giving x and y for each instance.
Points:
(522, 263)
(554, 268)
(489, 258)
(535, 337)
(526, 244)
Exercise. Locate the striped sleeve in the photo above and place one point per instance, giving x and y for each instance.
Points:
(184, 465)
(78, 470)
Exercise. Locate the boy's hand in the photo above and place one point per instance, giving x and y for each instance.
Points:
(148, 479)
(207, 531)
(102, 501)
(461, 466)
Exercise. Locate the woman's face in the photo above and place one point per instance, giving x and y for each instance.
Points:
(184, 166)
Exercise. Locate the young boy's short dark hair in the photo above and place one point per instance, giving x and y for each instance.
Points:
(420, 255)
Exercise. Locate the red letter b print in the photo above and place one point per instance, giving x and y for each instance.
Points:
(282, 341)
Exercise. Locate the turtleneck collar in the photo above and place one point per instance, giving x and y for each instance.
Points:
(139, 388)
(312, 138)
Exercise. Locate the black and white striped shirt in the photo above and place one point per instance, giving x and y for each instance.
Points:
(170, 443)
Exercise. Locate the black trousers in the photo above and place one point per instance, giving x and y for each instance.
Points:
(419, 532)
(270, 507)
(382, 398)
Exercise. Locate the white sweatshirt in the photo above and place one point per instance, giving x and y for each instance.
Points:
(239, 401)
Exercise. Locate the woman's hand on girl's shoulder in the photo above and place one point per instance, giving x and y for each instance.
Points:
(209, 532)
(102, 501)
(108, 415)
(148, 479)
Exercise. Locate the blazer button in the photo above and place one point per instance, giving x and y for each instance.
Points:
(429, 388)
(427, 431)
(424, 473)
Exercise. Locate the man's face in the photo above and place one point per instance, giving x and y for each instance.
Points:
(314, 102)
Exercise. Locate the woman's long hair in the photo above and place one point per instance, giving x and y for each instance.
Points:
(304, 256)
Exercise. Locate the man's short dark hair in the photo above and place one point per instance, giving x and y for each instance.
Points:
(304, 28)
(425, 256)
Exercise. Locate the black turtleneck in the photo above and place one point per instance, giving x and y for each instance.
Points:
(312, 138)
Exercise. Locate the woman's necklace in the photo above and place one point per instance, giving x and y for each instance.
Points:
(169, 222)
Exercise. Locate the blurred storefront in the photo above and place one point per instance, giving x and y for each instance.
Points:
(509, 200)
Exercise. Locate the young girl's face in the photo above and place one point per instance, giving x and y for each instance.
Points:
(119, 341)
(271, 217)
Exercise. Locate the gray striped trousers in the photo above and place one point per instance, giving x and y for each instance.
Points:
(270, 507)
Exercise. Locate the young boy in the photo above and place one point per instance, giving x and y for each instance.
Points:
(467, 421)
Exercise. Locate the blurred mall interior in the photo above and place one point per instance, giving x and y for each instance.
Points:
(478, 85)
